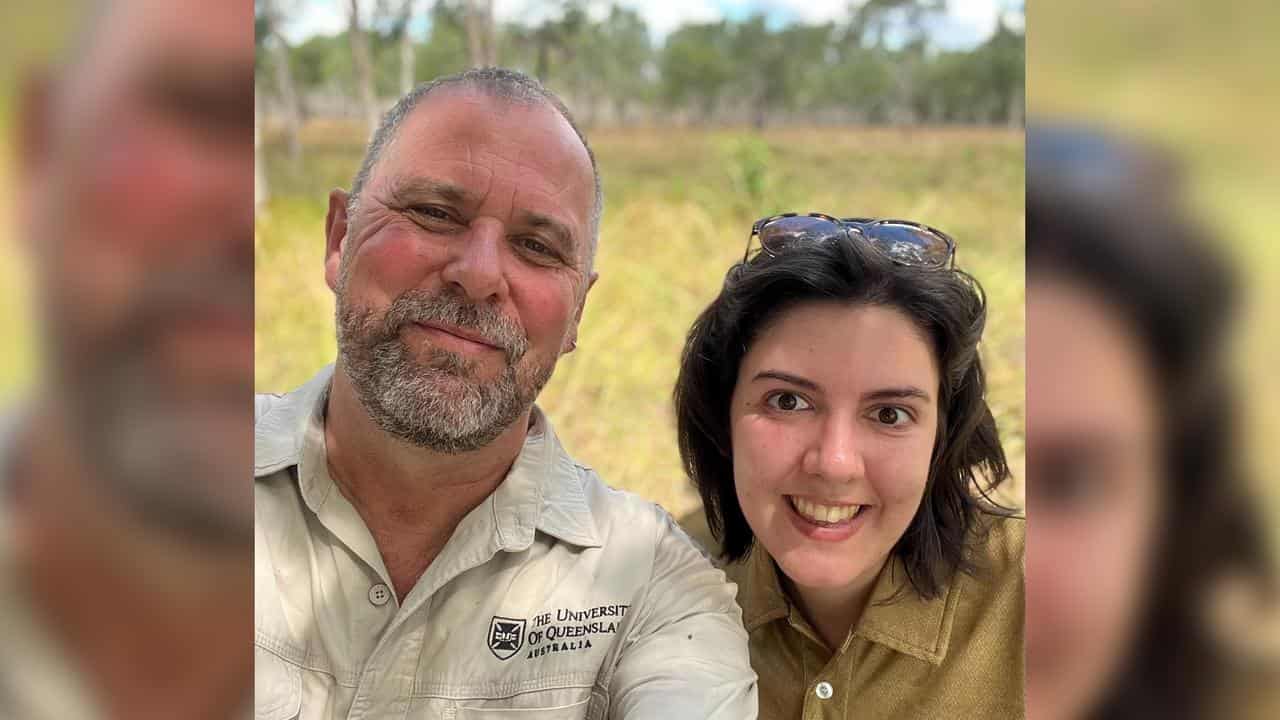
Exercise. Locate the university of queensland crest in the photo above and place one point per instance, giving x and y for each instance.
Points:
(506, 636)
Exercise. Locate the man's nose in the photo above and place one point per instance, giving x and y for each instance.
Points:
(475, 264)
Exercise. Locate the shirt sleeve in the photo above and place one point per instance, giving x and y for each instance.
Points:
(686, 654)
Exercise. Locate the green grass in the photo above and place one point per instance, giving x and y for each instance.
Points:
(678, 207)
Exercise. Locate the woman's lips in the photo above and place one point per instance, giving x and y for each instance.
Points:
(823, 521)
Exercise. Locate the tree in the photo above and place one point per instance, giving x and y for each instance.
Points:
(403, 16)
(624, 56)
(364, 67)
(697, 66)
(480, 40)
(269, 22)
(878, 19)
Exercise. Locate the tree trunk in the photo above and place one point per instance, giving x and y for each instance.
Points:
(259, 172)
(288, 95)
(1016, 114)
(480, 43)
(364, 69)
(406, 50)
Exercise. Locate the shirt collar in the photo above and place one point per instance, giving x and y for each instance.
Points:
(906, 623)
(544, 490)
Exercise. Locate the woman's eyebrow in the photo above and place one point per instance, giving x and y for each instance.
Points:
(897, 393)
(785, 377)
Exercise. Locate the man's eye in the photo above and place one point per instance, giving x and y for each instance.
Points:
(787, 402)
(434, 213)
(537, 247)
(892, 416)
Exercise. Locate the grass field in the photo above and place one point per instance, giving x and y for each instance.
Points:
(677, 211)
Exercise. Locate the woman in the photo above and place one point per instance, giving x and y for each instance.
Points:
(830, 411)
(1150, 589)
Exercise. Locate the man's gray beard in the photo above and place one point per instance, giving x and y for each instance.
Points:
(439, 405)
(171, 451)
(172, 462)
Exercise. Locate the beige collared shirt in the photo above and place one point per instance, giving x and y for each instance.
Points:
(556, 597)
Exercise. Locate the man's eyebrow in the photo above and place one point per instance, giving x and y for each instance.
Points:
(785, 377)
(898, 393)
(408, 190)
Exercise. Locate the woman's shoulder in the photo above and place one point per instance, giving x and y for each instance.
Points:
(996, 558)
(1001, 540)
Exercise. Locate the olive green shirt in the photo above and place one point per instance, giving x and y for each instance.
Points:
(956, 656)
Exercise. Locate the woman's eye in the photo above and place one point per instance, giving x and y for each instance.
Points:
(893, 416)
(787, 402)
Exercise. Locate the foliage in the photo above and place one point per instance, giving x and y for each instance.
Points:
(875, 66)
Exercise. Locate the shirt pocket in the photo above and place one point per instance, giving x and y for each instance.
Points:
(277, 687)
(574, 711)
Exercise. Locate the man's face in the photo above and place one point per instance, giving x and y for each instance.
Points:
(461, 277)
(138, 203)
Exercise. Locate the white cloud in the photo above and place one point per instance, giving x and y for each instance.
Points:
(315, 17)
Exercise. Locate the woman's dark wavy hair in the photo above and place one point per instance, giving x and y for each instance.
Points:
(948, 307)
(1130, 243)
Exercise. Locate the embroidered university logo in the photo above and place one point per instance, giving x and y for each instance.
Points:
(506, 636)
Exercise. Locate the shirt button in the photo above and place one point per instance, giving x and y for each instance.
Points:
(823, 690)
(379, 594)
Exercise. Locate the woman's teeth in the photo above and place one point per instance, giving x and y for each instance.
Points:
(824, 513)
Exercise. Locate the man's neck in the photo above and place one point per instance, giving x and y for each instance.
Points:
(411, 498)
(155, 622)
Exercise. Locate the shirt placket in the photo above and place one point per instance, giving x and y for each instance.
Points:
(820, 667)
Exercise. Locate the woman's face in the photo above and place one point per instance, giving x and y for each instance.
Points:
(833, 421)
(1093, 494)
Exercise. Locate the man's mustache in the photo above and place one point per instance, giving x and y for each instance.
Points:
(447, 308)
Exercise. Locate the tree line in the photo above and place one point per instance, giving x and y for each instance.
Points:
(877, 65)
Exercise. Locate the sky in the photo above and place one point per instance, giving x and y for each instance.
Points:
(967, 24)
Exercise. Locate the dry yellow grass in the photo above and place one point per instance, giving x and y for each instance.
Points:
(678, 208)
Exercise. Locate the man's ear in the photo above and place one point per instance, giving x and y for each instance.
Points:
(335, 237)
(571, 340)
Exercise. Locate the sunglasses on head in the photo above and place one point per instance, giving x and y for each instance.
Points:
(903, 241)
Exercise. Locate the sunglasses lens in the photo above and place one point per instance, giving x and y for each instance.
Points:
(909, 244)
(782, 233)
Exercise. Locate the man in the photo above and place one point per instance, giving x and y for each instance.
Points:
(124, 539)
(425, 547)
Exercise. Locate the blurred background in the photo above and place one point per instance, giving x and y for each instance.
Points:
(1153, 174)
(705, 116)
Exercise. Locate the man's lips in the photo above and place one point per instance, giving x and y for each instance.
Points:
(467, 340)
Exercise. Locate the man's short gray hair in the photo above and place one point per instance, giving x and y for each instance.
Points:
(510, 85)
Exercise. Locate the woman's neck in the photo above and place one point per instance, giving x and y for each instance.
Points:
(833, 611)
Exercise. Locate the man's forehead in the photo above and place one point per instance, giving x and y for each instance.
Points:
(190, 32)
(466, 139)
(477, 126)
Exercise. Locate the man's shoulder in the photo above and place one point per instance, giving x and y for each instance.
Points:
(623, 514)
(280, 419)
